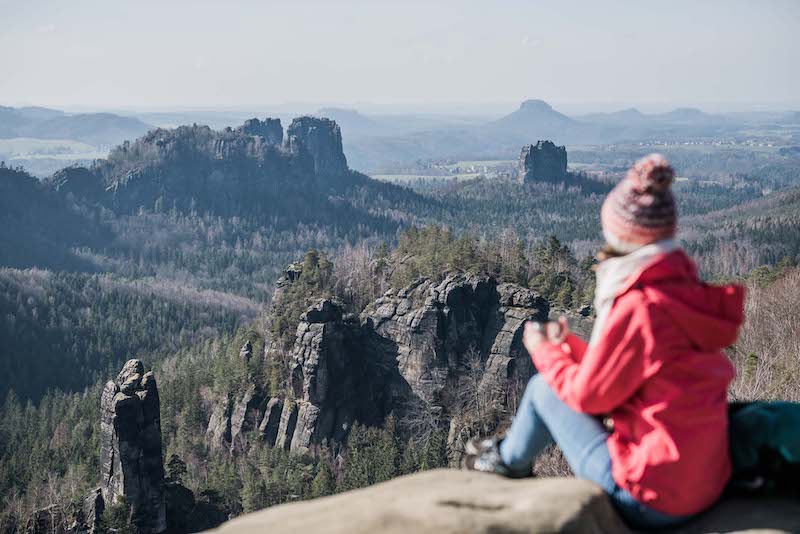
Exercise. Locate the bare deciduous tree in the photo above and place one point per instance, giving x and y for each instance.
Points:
(767, 353)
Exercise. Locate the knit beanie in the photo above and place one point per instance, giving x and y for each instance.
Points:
(641, 209)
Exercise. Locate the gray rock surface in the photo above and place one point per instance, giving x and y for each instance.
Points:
(286, 425)
(130, 446)
(433, 328)
(322, 140)
(268, 428)
(335, 379)
(270, 129)
(543, 161)
(238, 414)
(450, 501)
(93, 507)
(246, 416)
(218, 432)
(408, 348)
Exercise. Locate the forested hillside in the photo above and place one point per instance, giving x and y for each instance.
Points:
(734, 241)
(247, 473)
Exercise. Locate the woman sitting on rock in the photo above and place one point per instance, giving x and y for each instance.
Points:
(642, 408)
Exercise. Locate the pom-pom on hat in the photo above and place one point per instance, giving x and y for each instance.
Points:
(641, 209)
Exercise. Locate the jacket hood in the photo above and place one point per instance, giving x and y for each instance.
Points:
(709, 315)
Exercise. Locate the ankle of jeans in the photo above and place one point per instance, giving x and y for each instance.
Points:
(512, 465)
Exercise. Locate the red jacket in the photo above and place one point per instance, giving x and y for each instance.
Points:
(658, 370)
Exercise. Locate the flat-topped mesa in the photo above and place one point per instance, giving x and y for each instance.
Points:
(322, 139)
(542, 162)
(130, 447)
(270, 129)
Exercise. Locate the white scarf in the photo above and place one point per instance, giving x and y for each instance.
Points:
(614, 273)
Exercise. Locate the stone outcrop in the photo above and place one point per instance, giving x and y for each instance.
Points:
(238, 414)
(335, 381)
(431, 327)
(322, 140)
(218, 432)
(542, 162)
(130, 446)
(270, 423)
(93, 508)
(449, 501)
(270, 129)
(235, 171)
(408, 351)
(246, 416)
(78, 182)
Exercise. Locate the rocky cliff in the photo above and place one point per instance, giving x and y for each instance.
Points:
(322, 140)
(228, 172)
(334, 382)
(270, 129)
(408, 352)
(130, 446)
(430, 329)
(449, 501)
(543, 161)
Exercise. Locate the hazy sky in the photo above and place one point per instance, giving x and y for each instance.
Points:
(404, 54)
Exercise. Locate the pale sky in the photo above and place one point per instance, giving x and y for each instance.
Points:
(148, 54)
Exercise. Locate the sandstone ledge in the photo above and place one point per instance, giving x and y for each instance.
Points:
(445, 501)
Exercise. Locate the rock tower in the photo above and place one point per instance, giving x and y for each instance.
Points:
(542, 162)
(322, 139)
(130, 447)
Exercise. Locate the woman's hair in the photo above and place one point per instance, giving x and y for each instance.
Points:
(607, 252)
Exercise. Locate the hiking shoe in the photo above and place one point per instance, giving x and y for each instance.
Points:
(484, 455)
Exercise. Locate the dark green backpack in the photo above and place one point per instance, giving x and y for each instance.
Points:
(765, 448)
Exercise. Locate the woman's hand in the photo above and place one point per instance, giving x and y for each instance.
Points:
(554, 332)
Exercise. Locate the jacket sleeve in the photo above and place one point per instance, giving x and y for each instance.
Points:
(608, 372)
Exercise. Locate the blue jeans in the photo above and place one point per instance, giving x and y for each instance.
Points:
(542, 418)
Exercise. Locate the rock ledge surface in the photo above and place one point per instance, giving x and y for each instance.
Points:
(444, 501)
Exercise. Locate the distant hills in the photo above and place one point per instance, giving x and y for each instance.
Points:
(376, 147)
(92, 128)
(386, 142)
(534, 118)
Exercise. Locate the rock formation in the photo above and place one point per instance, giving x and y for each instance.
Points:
(335, 381)
(404, 352)
(543, 161)
(229, 172)
(93, 508)
(130, 446)
(472, 503)
(270, 129)
(78, 182)
(322, 139)
(431, 327)
(407, 351)
(238, 414)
